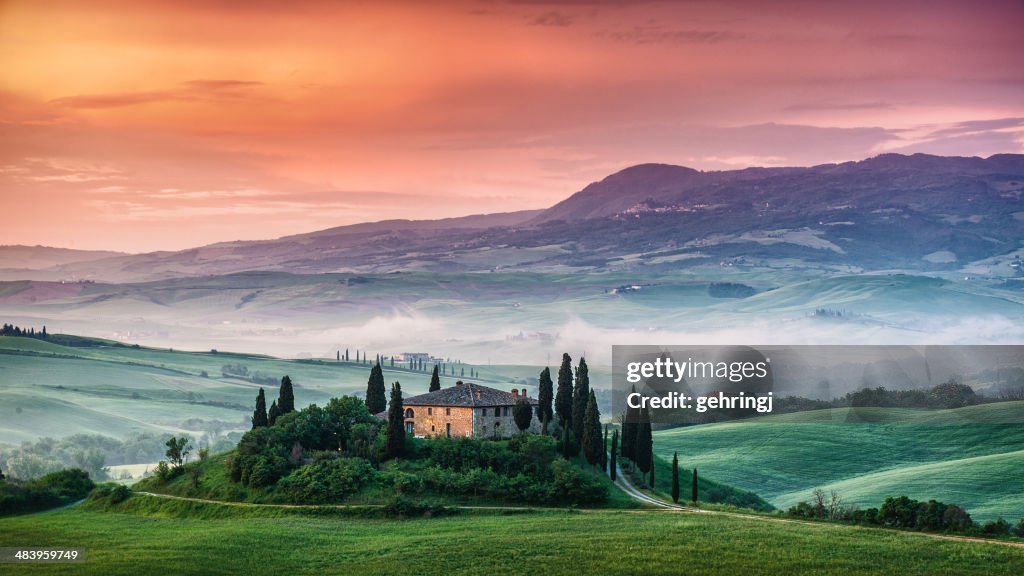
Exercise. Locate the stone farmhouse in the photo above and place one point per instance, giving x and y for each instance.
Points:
(466, 410)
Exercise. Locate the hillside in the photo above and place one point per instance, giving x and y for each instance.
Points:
(55, 391)
(919, 213)
(969, 456)
(141, 538)
(515, 317)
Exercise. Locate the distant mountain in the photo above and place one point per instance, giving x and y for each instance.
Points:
(891, 212)
(42, 257)
(919, 182)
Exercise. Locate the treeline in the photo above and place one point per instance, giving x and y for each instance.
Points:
(242, 371)
(49, 491)
(12, 330)
(448, 367)
(93, 453)
(904, 513)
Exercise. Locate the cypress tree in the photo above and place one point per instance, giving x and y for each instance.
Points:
(629, 430)
(286, 397)
(522, 413)
(435, 381)
(346, 354)
(644, 443)
(604, 451)
(563, 397)
(376, 401)
(693, 488)
(396, 423)
(259, 415)
(273, 413)
(545, 394)
(612, 472)
(580, 397)
(592, 445)
(675, 477)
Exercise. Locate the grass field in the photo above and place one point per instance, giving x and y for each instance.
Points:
(971, 456)
(190, 539)
(52, 390)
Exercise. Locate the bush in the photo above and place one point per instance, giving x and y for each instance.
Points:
(326, 482)
(54, 489)
(402, 507)
(1018, 530)
(998, 527)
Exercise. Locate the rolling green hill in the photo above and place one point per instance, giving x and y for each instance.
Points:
(971, 456)
(192, 539)
(47, 389)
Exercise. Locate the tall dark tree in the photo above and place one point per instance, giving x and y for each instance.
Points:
(693, 488)
(435, 381)
(580, 397)
(644, 443)
(675, 477)
(545, 395)
(570, 449)
(604, 451)
(592, 443)
(346, 354)
(563, 396)
(273, 413)
(612, 472)
(630, 425)
(396, 423)
(259, 415)
(286, 398)
(376, 399)
(1, 475)
(522, 413)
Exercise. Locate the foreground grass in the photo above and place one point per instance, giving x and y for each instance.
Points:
(146, 541)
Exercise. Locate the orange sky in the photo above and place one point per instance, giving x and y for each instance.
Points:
(161, 125)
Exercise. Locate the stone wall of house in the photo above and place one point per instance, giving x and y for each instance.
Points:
(498, 422)
(434, 420)
(490, 422)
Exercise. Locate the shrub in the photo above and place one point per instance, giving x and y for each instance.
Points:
(49, 491)
(998, 527)
(328, 481)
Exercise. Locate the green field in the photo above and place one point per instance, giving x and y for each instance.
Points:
(141, 538)
(52, 390)
(973, 457)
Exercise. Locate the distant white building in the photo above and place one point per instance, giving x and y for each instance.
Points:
(414, 357)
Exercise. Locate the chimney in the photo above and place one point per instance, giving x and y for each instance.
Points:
(524, 392)
(477, 394)
(515, 393)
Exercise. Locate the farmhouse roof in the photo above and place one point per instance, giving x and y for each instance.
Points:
(468, 394)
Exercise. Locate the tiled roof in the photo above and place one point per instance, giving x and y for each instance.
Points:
(466, 395)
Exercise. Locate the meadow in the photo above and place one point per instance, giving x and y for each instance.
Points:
(969, 456)
(139, 537)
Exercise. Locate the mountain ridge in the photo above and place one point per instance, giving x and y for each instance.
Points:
(918, 212)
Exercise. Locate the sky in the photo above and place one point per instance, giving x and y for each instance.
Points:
(159, 125)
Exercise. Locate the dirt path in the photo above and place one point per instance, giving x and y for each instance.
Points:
(656, 504)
